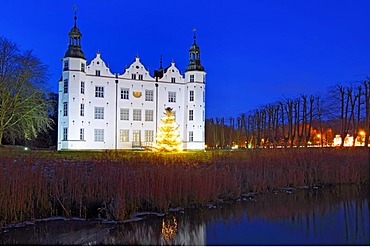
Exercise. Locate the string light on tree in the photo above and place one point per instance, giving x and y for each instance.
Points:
(168, 135)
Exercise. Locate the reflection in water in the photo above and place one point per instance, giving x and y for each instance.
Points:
(333, 216)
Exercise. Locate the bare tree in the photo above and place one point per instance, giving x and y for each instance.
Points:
(23, 103)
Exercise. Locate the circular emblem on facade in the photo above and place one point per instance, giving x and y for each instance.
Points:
(137, 94)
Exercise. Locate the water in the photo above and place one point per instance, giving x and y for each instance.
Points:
(329, 216)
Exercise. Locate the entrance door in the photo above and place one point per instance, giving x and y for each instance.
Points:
(136, 137)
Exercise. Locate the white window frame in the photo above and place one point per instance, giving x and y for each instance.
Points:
(191, 115)
(82, 87)
(124, 114)
(133, 76)
(124, 135)
(82, 134)
(141, 77)
(98, 112)
(191, 95)
(149, 95)
(99, 92)
(173, 79)
(83, 67)
(171, 97)
(65, 109)
(136, 115)
(125, 93)
(149, 135)
(66, 65)
(65, 86)
(191, 136)
(97, 72)
(65, 134)
(192, 79)
(149, 115)
(82, 110)
(99, 135)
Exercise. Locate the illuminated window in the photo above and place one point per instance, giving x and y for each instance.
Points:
(65, 109)
(124, 135)
(136, 116)
(191, 95)
(99, 92)
(149, 95)
(99, 135)
(65, 86)
(149, 135)
(99, 112)
(124, 114)
(125, 93)
(191, 136)
(148, 115)
(172, 97)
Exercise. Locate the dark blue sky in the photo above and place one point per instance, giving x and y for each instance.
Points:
(255, 52)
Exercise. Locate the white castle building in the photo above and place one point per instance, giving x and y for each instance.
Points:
(101, 110)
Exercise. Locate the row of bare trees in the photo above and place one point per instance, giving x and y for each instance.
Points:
(302, 121)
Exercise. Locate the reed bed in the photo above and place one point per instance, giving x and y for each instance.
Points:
(114, 185)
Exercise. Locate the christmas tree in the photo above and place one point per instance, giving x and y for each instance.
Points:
(168, 135)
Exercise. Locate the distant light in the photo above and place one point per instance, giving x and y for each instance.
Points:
(25, 148)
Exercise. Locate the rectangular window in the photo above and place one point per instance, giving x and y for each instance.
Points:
(66, 65)
(65, 109)
(191, 95)
(97, 72)
(191, 136)
(191, 78)
(204, 116)
(82, 110)
(125, 93)
(124, 114)
(149, 135)
(136, 116)
(191, 115)
(82, 134)
(99, 112)
(140, 77)
(65, 134)
(124, 135)
(82, 87)
(99, 135)
(65, 86)
(82, 67)
(204, 96)
(133, 76)
(99, 92)
(172, 97)
(136, 137)
(149, 95)
(173, 79)
(148, 115)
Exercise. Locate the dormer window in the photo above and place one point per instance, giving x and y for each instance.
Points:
(97, 72)
(173, 79)
(133, 76)
(191, 78)
(140, 77)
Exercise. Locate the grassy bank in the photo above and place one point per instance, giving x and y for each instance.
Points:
(116, 184)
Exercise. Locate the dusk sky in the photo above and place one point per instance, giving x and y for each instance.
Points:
(254, 52)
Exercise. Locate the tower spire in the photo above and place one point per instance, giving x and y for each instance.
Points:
(194, 56)
(74, 48)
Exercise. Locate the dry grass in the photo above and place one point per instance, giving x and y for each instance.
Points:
(116, 184)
